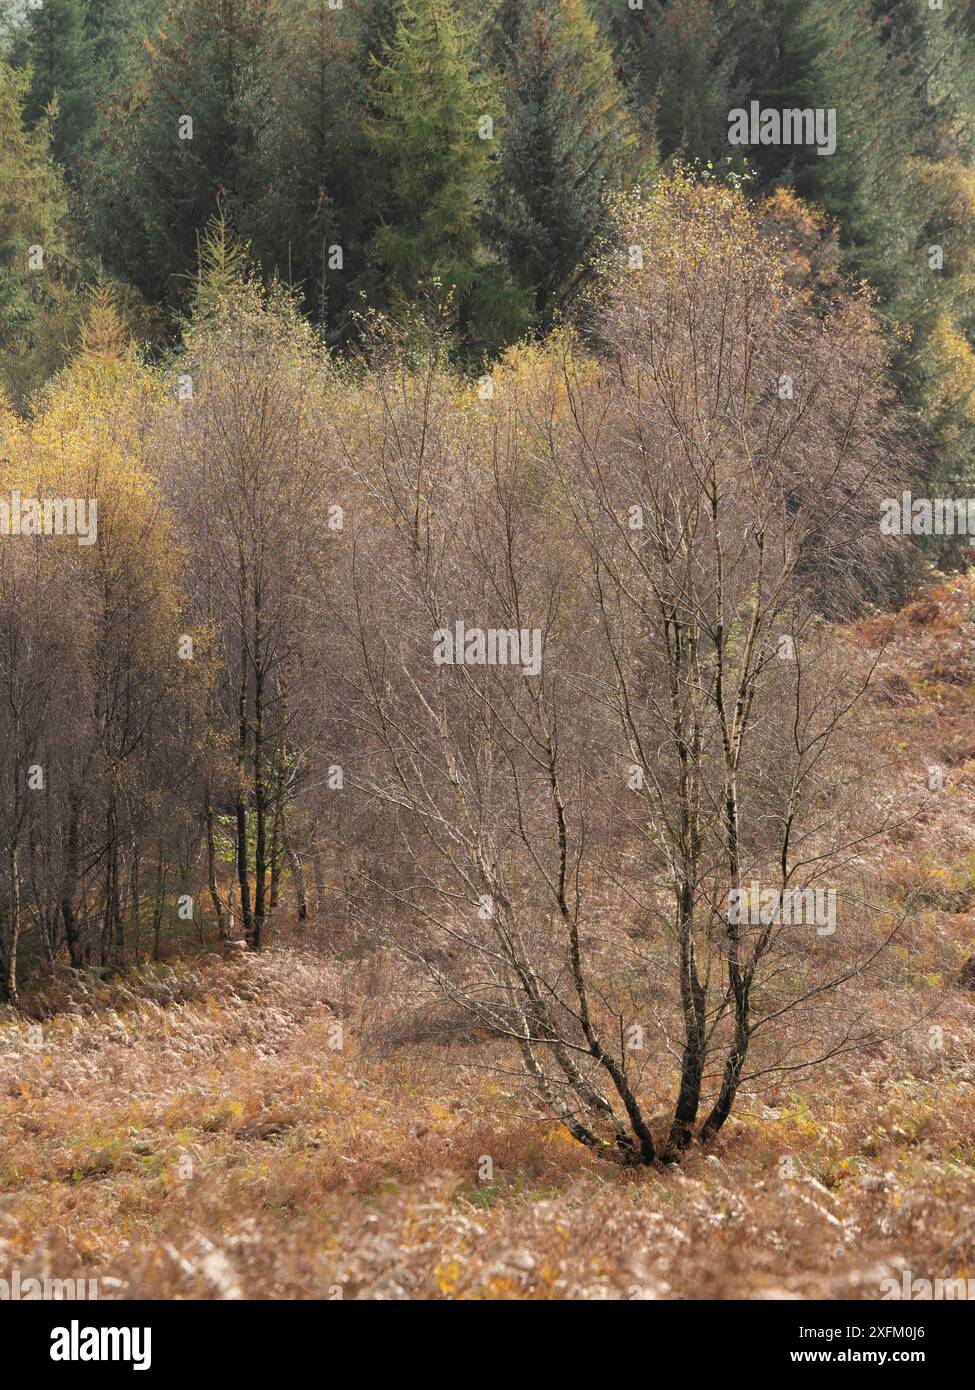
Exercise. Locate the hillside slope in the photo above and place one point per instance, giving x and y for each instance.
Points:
(264, 1127)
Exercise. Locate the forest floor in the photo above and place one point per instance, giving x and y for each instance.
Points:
(196, 1130)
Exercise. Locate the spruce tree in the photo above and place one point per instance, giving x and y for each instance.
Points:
(375, 22)
(679, 69)
(78, 51)
(568, 141)
(429, 163)
(304, 217)
(179, 146)
(934, 293)
(55, 46)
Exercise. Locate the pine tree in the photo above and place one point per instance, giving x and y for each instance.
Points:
(568, 142)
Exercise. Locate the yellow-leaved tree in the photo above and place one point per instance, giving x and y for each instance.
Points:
(91, 623)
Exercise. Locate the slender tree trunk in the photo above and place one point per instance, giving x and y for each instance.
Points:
(71, 929)
(693, 1006)
(136, 904)
(738, 980)
(118, 915)
(10, 964)
(732, 1070)
(47, 925)
(297, 870)
(218, 905)
(39, 889)
(279, 833)
(88, 944)
(318, 872)
(260, 787)
(157, 909)
(247, 921)
(276, 853)
(111, 868)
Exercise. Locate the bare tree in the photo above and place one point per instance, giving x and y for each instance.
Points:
(241, 462)
(654, 530)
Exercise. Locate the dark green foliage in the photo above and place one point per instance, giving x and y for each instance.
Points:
(393, 154)
(38, 304)
(678, 64)
(180, 145)
(304, 217)
(79, 51)
(430, 142)
(568, 141)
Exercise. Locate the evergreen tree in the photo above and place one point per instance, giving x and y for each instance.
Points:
(55, 46)
(305, 214)
(568, 141)
(376, 22)
(180, 144)
(935, 361)
(430, 164)
(38, 305)
(679, 70)
(78, 50)
(776, 55)
(937, 50)
(864, 183)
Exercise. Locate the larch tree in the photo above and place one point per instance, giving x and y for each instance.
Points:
(108, 738)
